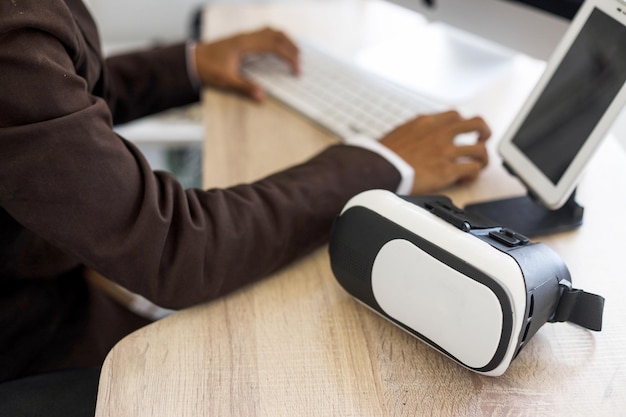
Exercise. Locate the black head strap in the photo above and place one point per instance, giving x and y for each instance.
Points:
(580, 307)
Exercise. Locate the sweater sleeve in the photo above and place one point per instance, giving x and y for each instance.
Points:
(69, 179)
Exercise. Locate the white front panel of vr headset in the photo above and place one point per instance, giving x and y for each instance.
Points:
(497, 265)
(461, 315)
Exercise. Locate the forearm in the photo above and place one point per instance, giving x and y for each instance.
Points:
(179, 247)
(147, 82)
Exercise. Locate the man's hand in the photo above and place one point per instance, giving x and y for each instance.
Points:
(427, 144)
(218, 63)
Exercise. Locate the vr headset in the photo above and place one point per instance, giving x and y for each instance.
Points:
(475, 291)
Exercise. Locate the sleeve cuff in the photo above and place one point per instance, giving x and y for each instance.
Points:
(192, 69)
(407, 173)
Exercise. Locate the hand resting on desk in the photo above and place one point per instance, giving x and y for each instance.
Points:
(427, 144)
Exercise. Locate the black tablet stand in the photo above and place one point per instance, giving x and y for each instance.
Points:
(528, 216)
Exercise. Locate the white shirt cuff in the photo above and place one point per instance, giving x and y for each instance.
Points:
(407, 173)
(192, 69)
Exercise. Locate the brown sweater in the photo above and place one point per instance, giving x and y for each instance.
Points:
(73, 194)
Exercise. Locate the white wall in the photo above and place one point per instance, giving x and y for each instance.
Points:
(139, 22)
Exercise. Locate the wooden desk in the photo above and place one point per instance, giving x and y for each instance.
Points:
(297, 345)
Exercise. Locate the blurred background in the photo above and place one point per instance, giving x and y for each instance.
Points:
(131, 23)
(126, 24)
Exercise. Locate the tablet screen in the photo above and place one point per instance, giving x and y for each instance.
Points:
(575, 99)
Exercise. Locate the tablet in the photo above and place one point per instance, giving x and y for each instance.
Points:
(573, 105)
